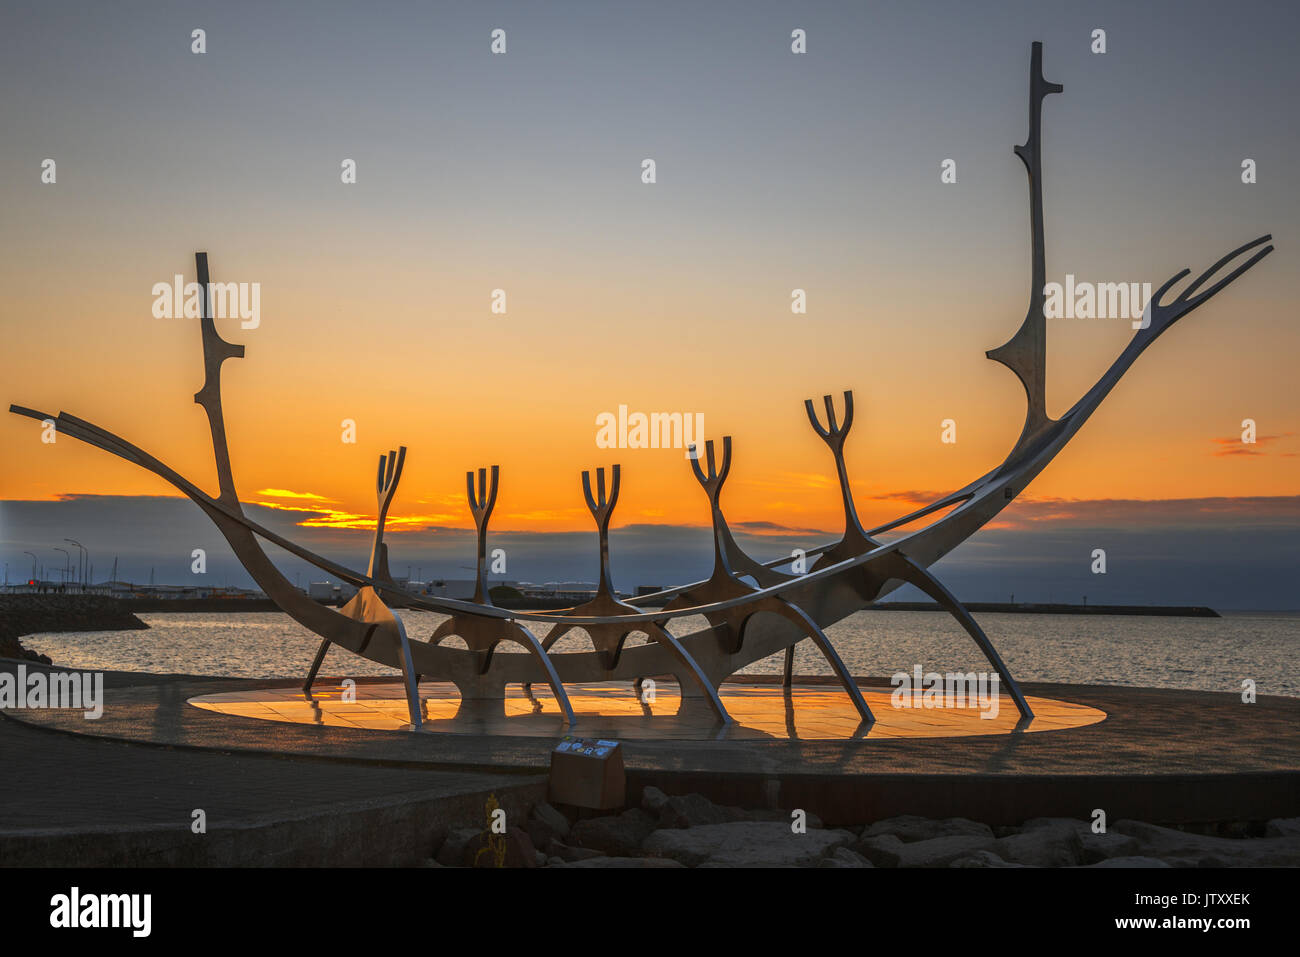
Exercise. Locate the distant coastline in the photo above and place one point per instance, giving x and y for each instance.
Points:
(1056, 608)
(138, 605)
(87, 612)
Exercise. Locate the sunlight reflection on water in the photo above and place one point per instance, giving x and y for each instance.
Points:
(1207, 654)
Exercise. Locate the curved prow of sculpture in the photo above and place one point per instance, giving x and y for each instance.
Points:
(1025, 353)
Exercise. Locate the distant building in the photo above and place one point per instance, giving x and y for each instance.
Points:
(576, 592)
(331, 593)
(458, 588)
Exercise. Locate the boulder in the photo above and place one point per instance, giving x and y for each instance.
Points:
(557, 822)
(652, 799)
(776, 814)
(911, 827)
(1199, 850)
(1130, 862)
(1102, 847)
(519, 850)
(1055, 845)
(843, 857)
(618, 836)
(1283, 827)
(624, 862)
(713, 865)
(568, 854)
(539, 832)
(887, 850)
(690, 810)
(744, 844)
(452, 852)
(983, 859)
(883, 851)
(1096, 847)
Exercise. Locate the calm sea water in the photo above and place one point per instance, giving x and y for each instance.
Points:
(1208, 654)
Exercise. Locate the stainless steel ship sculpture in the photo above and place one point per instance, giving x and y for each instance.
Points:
(746, 622)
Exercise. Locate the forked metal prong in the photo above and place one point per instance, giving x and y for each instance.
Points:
(599, 505)
(833, 433)
(715, 477)
(812, 417)
(695, 461)
(484, 500)
(830, 415)
(1164, 315)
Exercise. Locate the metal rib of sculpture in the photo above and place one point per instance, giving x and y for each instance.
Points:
(482, 635)
(613, 626)
(723, 584)
(847, 575)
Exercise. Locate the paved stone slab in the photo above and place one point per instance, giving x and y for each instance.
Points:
(745, 844)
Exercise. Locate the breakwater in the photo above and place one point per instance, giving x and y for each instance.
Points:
(33, 614)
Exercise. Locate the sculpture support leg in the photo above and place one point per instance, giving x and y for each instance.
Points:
(315, 665)
(661, 635)
(408, 676)
(552, 677)
(923, 580)
(788, 678)
(799, 617)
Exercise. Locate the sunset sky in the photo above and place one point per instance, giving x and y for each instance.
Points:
(522, 172)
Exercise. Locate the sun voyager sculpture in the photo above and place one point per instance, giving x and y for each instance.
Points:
(746, 621)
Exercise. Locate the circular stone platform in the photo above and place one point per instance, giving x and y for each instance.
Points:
(759, 712)
(1160, 755)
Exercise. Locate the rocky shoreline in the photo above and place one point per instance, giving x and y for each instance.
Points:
(33, 614)
(691, 831)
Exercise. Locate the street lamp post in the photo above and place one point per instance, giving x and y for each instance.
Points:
(67, 564)
(81, 576)
(33, 554)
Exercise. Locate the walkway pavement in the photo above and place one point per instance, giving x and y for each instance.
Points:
(83, 800)
(356, 795)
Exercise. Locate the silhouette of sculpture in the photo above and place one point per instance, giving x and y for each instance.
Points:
(747, 622)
